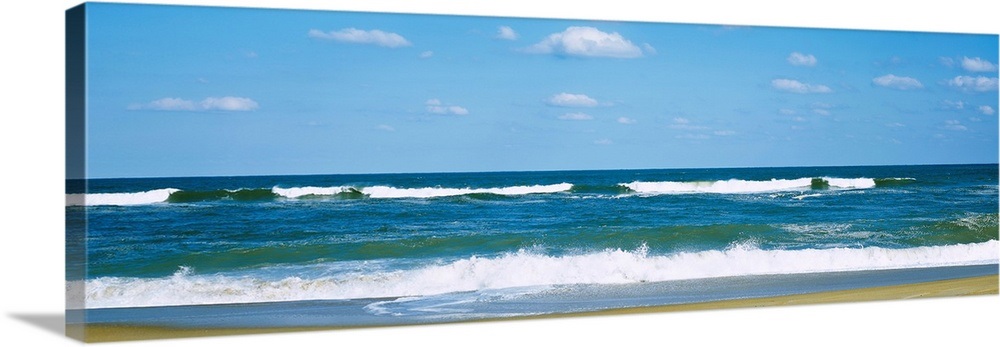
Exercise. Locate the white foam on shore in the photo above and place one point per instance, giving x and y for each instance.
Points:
(521, 269)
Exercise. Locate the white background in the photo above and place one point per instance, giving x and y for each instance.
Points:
(31, 195)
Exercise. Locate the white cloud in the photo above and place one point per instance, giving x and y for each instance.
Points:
(576, 116)
(352, 35)
(724, 133)
(681, 120)
(435, 106)
(786, 111)
(821, 112)
(799, 119)
(604, 142)
(572, 100)
(897, 82)
(587, 42)
(626, 120)
(226, 103)
(426, 54)
(385, 127)
(987, 110)
(171, 104)
(977, 65)
(947, 61)
(800, 59)
(954, 125)
(793, 86)
(895, 125)
(229, 103)
(978, 84)
(506, 33)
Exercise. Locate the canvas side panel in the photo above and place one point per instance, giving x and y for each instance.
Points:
(76, 225)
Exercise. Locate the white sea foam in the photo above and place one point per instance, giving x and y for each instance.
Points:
(851, 183)
(723, 187)
(119, 199)
(803, 196)
(735, 186)
(524, 268)
(297, 192)
(392, 192)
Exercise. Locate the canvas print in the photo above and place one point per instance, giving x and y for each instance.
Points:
(235, 170)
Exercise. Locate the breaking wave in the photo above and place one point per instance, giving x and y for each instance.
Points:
(520, 269)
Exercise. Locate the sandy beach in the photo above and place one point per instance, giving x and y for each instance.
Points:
(983, 285)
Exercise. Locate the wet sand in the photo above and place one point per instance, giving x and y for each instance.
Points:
(983, 285)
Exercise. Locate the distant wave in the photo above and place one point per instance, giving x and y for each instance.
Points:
(736, 186)
(257, 194)
(299, 192)
(521, 269)
(120, 199)
(391, 192)
(733, 186)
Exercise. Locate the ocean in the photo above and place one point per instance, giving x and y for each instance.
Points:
(389, 249)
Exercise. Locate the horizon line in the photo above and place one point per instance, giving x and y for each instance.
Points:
(521, 171)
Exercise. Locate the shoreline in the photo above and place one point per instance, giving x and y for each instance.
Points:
(980, 285)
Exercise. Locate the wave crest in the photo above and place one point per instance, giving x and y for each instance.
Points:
(120, 199)
(524, 268)
(736, 186)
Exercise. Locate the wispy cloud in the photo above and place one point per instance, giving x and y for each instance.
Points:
(435, 106)
(954, 105)
(977, 84)
(572, 100)
(385, 127)
(977, 65)
(426, 54)
(799, 59)
(954, 125)
(793, 86)
(587, 42)
(604, 142)
(626, 120)
(724, 133)
(692, 136)
(352, 35)
(226, 103)
(576, 116)
(897, 82)
(682, 123)
(506, 33)
(987, 110)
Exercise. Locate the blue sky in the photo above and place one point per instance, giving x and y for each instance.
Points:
(193, 91)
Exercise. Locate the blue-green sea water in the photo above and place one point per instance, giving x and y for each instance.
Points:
(397, 248)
